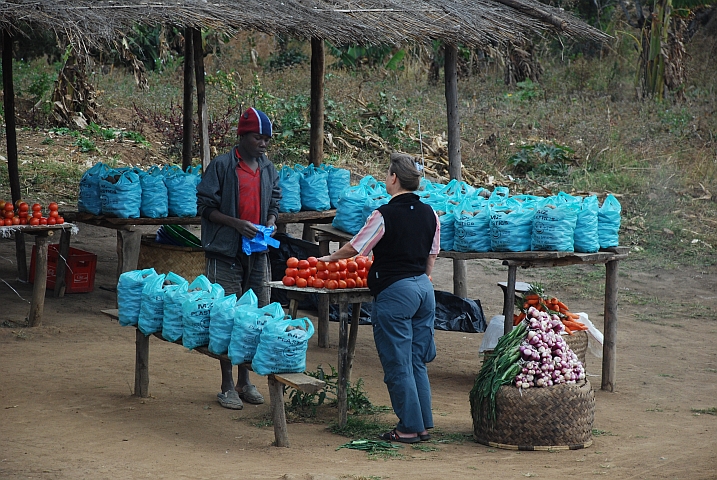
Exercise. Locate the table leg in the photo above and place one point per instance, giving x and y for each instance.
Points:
(37, 303)
(307, 233)
(509, 299)
(141, 365)
(278, 414)
(609, 358)
(21, 256)
(353, 334)
(62, 255)
(324, 246)
(128, 243)
(323, 321)
(343, 362)
(459, 278)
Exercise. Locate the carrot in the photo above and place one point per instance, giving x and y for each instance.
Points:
(574, 325)
(553, 300)
(526, 305)
(567, 329)
(532, 296)
(532, 301)
(562, 305)
(573, 316)
(518, 318)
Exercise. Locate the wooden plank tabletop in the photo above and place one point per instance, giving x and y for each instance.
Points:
(5, 232)
(104, 220)
(603, 255)
(278, 284)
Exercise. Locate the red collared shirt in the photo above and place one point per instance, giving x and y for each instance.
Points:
(249, 207)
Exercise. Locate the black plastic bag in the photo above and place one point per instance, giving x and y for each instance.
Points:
(453, 313)
(364, 316)
(457, 314)
(291, 247)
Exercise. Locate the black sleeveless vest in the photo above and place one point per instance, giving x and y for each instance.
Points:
(402, 252)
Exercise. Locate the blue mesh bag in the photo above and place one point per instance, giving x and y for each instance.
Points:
(609, 222)
(282, 346)
(586, 238)
(290, 183)
(89, 197)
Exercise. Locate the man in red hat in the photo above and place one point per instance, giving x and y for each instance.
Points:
(238, 191)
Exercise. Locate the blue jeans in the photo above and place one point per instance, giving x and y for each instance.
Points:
(402, 317)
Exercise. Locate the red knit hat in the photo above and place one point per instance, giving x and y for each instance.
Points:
(254, 121)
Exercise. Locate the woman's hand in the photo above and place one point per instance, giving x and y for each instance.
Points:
(347, 251)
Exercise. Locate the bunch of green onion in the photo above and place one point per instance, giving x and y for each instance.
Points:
(499, 368)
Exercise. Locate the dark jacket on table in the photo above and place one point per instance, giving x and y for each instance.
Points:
(219, 190)
(403, 251)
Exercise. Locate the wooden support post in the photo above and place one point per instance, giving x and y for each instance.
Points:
(509, 299)
(37, 303)
(9, 106)
(202, 114)
(128, 243)
(62, 256)
(609, 357)
(278, 415)
(316, 140)
(460, 273)
(21, 256)
(308, 234)
(454, 123)
(187, 133)
(323, 321)
(141, 365)
(353, 334)
(11, 141)
(342, 381)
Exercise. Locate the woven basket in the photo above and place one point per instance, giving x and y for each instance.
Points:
(578, 343)
(185, 261)
(543, 418)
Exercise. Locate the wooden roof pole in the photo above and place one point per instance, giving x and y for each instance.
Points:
(454, 122)
(9, 104)
(11, 138)
(187, 133)
(316, 142)
(460, 269)
(201, 98)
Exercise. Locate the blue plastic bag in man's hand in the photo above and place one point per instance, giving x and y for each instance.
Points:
(261, 242)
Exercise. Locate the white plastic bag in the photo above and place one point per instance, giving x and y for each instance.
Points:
(595, 337)
(492, 333)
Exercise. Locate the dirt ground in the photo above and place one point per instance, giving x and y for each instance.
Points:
(67, 410)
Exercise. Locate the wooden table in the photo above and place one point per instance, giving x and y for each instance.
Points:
(610, 257)
(129, 239)
(347, 339)
(42, 235)
(299, 381)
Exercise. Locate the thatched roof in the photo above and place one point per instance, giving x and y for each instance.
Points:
(477, 23)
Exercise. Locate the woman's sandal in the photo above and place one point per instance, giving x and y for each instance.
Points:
(393, 436)
(425, 437)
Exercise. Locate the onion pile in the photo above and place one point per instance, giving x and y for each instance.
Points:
(545, 357)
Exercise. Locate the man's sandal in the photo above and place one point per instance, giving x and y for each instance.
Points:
(393, 436)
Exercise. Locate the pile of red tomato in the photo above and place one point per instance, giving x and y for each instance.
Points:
(349, 273)
(23, 214)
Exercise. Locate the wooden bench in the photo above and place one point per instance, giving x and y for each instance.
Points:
(299, 381)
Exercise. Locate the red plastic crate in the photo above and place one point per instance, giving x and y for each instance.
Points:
(79, 271)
